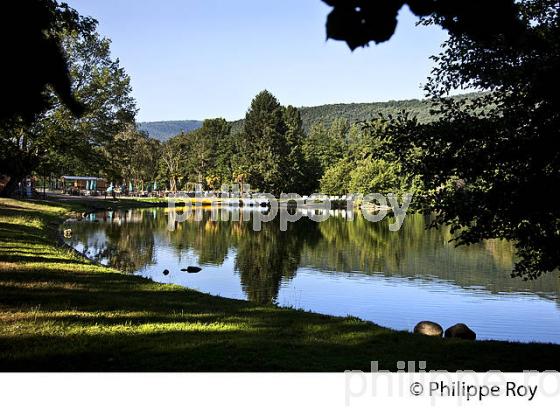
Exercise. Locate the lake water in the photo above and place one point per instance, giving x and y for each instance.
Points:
(342, 266)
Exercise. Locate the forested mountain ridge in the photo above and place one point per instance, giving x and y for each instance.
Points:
(356, 112)
(353, 112)
(163, 130)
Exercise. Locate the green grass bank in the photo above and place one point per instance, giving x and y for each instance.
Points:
(59, 311)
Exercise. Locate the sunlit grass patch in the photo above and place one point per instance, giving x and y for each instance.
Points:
(34, 327)
(45, 207)
(22, 221)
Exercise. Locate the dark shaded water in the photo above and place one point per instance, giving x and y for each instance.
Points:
(339, 267)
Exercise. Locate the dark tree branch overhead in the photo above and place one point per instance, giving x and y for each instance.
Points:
(358, 22)
(33, 59)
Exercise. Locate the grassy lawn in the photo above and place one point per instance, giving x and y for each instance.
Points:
(58, 311)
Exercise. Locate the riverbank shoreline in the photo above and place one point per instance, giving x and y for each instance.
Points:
(60, 311)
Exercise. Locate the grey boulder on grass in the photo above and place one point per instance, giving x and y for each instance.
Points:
(428, 328)
(460, 331)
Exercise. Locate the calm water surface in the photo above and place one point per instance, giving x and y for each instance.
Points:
(340, 267)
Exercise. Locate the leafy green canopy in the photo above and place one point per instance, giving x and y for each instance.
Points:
(202, 156)
(132, 157)
(58, 142)
(273, 153)
(270, 146)
(267, 153)
(490, 165)
(362, 163)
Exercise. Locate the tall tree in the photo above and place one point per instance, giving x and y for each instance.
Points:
(132, 157)
(170, 165)
(296, 178)
(225, 155)
(325, 146)
(316, 153)
(263, 146)
(204, 150)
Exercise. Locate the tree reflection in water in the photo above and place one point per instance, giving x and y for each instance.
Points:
(266, 258)
(128, 240)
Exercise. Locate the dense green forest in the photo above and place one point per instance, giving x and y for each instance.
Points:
(333, 149)
(364, 111)
(272, 151)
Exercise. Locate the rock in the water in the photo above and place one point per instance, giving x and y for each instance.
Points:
(192, 269)
(68, 233)
(166, 272)
(460, 331)
(428, 328)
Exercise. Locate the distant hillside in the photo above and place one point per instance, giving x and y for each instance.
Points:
(163, 130)
(353, 112)
(356, 112)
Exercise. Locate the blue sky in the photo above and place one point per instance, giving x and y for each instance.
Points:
(196, 59)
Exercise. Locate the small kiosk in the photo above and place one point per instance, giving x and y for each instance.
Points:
(79, 185)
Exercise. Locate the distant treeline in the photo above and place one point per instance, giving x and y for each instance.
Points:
(163, 130)
(334, 149)
(325, 114)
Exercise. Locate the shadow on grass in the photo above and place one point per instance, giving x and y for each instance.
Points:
(254, 350)
(117, 322)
